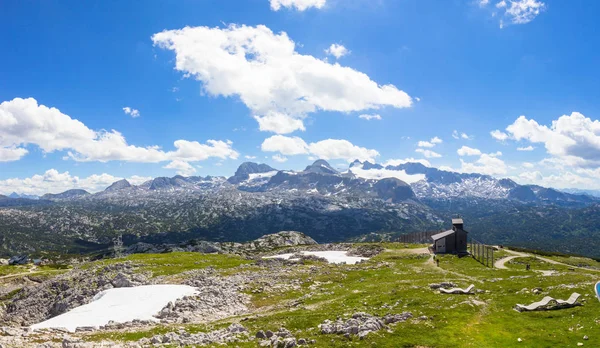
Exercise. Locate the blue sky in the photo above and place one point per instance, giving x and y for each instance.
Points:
(467, 66)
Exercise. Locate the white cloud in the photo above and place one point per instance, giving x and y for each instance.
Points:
(468, 151)
(515, 11)
(574, 139)
(457, 135)
(370, 117)
(526, 148)
(499, 135)
(132, 112)
(299, 5)
(23, 121)
(560, 180)
(524, 11)
(54, 182)
(264, 70)
(431, 143)
(396, 162)
(183, 168)
(249, 157)
(12, 153)
(528, 165)
(337, 148)
(279, 158)
(336, 50)
(285, 145)
(279, 123)
(429, 153)
(325, 149)
(488, 164)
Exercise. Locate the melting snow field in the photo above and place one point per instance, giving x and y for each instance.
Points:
(331, 256)
(119, 305)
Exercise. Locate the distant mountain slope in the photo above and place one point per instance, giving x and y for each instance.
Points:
(69, 194)
(327, 205)
(22, 195)
(246, 169)
(118, 185)
(441, 184)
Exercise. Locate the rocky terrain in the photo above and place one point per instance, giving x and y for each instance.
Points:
(366, 202)
(244, 300)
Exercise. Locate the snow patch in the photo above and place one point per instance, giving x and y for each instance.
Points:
(120, 305)
(374, 173)
(255, 176)
(332, 256)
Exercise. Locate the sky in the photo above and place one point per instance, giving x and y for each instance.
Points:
(95, 91)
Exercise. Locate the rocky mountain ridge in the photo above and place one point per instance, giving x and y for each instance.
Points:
(327, 205)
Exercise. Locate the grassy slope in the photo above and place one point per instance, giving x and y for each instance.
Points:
(400, 276)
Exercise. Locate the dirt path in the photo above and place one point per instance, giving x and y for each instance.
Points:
(31, 270)
(500, 264)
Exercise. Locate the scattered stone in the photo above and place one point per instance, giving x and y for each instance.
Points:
(445, 285)
(361, 324)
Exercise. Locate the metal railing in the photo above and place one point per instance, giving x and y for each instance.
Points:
(483, 253)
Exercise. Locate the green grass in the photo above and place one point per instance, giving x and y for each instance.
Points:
(577, 261)
(8, 270)
(399, 276)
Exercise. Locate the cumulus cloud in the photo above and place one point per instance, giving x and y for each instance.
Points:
(338, 148)
(468, 151)
(370, 117)
(285, 145)
(182, 167)
(431, 143)
(499, 135)
(23, 122)
(264, 70)
(561, 180)
(573, 140)
(325, 149)
(52, 181)
(428, 153)
(336, 50)
(132, 112)
(488, 164)
(526, 148)
(279, 123)
(12, 153)
(300, 5)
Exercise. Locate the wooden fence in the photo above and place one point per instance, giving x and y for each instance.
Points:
(417, 237)
(482, 253)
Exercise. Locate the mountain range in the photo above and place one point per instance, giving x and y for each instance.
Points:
(368, 199)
